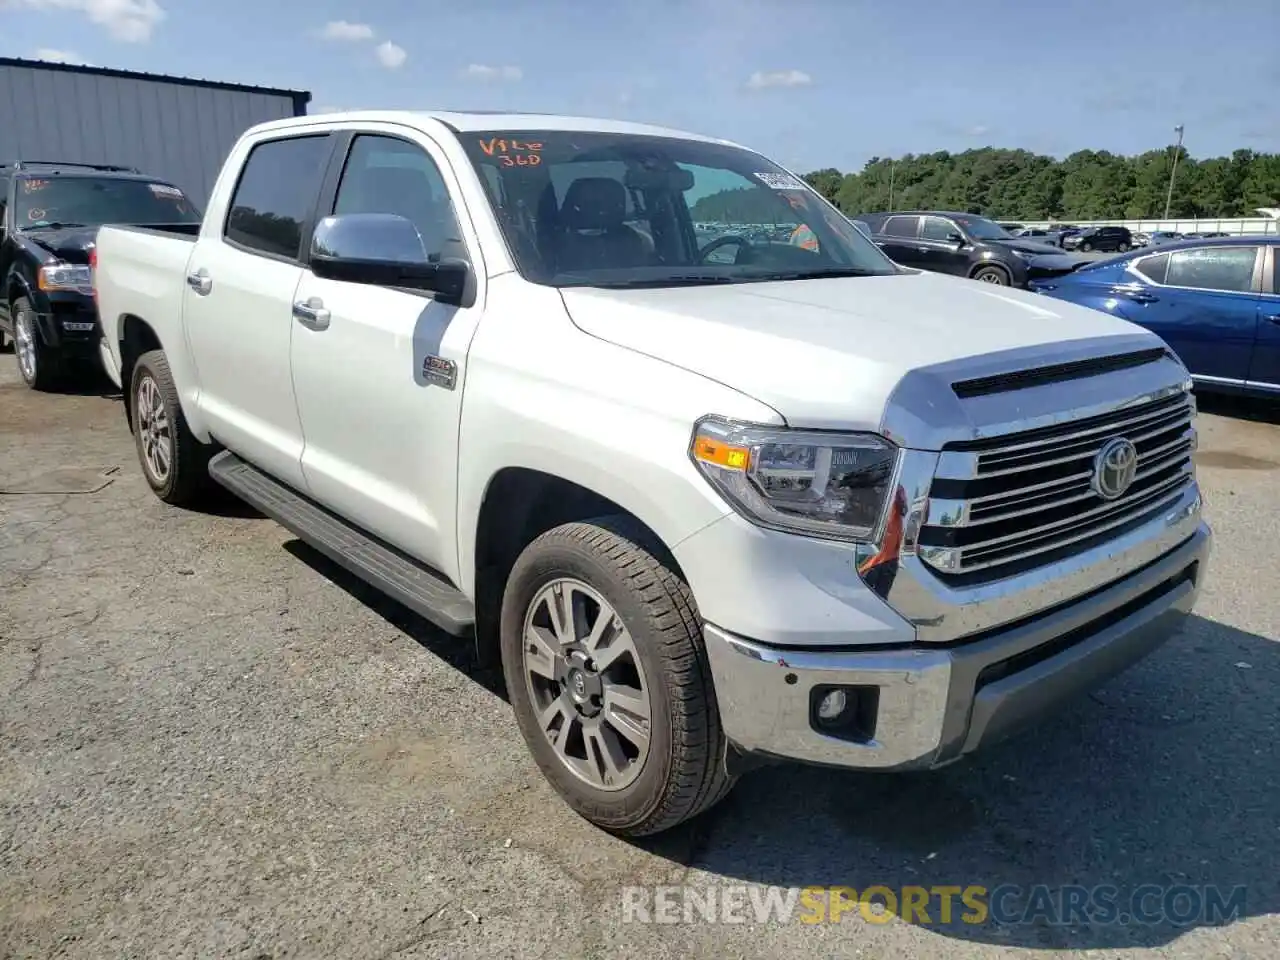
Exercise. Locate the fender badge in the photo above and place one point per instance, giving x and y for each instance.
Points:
(438, 370)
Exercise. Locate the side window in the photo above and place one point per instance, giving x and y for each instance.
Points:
(386, 175)
(4, 204)
(1153, 268)
(938, 228)
(1213, 268)
(276, 192)
(900, 226)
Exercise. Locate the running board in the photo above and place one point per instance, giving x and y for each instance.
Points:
(414, 584)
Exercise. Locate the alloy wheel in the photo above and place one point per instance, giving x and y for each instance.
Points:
(24, 336)
(587, 684)
(154, 434)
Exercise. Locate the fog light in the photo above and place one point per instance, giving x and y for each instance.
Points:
(832, 705)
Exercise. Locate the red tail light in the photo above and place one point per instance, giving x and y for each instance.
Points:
(93, 271)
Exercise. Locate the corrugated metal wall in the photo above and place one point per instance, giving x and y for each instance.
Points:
(178, 131)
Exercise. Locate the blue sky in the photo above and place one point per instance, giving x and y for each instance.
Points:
(812, 83)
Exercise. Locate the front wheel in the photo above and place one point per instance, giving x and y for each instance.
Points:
(5, 343)
(38, 363)
(991, 275)
(1086, 248)
(604, 664)
(174, 463)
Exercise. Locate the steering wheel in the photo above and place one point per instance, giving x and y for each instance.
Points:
(742, 243)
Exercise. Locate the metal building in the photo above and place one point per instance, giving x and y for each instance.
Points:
(176, 128)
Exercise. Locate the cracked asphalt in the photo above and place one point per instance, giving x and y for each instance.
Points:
(214, 744)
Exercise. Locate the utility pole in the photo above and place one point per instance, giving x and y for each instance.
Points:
(1168, 201)
(893, 164)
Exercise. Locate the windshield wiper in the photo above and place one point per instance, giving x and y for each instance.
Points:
(686, 280)
(53, 225)
(827, 274)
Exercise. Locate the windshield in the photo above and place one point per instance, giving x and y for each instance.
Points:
(93, 201)
(606, 209)
(980, 228)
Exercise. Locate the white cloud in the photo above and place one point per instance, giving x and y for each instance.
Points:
(978, 130)
(344, 30)
(390, 55)
(481, 71)
(327, 108)
(130, 21)
(58, 56)
(761, 80)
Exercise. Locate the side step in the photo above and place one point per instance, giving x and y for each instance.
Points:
(414, 584)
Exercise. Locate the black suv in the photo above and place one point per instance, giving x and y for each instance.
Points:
(49, 216)
(1099, 238)
(965, 245)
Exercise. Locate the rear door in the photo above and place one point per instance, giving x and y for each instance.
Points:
(378, 371)
(242, 278)
(898, 238)
(1203, 302)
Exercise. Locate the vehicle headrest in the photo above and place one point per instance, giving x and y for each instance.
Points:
(593, 203)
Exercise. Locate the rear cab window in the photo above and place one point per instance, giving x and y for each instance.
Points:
(275, 195)
(900, 226)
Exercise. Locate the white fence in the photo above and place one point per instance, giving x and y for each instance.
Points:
(1233, 226)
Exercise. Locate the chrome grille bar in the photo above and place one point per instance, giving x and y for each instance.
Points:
(999, 505)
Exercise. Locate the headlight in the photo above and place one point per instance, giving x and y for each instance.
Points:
(831, 485)
(66, 276)
(1024, 254)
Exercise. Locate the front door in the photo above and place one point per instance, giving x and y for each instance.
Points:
(941, 251)
(1205, 306)
(380, 434)
(241, 281)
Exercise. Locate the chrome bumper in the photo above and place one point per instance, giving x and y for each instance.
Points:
(923, 706)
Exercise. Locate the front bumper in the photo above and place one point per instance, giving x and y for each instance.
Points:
(926, 705)
(70, 326)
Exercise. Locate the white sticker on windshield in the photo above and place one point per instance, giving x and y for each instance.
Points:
(780, 181)
(164, 190)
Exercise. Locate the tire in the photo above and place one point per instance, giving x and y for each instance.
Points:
(1086, 247)
(992, 275)
(1123, 248)
(680, 772)
(6, 342)
(39, 366)
(159, 424)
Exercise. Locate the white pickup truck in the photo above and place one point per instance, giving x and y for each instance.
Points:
(768, 497)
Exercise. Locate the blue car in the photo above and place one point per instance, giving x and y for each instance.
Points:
(1216, 302)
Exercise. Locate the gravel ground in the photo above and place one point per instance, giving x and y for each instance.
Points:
(214, 744)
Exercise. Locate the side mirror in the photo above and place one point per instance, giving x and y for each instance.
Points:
(956, 237)
(382, 249)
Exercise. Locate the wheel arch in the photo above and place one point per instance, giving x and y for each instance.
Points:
(991, 264)
(519, 504)
(137, 337)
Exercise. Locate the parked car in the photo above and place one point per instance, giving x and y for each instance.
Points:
(1141, 239)
(698, 502)
(1099, 238)
(1216, 302)
(1158, 237)
(1038, 235)
(964, 245)
(49, 215)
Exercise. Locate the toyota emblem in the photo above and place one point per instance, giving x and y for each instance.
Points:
(1114, 468)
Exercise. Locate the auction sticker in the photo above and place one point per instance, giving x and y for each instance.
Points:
(780, 181)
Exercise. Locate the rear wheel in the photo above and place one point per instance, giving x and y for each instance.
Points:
(174, 463)
(603, 658)
(991, 275)
(38, 364)
(1086, 247)
(1124, 247)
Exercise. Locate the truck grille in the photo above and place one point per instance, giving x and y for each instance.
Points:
(1002, 505)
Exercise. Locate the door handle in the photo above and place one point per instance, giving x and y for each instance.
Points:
(1137, 296)
(1272, 318)
(200, 282)
(311, 313)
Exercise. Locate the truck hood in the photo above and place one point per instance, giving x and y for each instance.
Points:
(828, 353)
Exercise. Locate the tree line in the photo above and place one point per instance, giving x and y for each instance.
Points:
(1087, 185)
